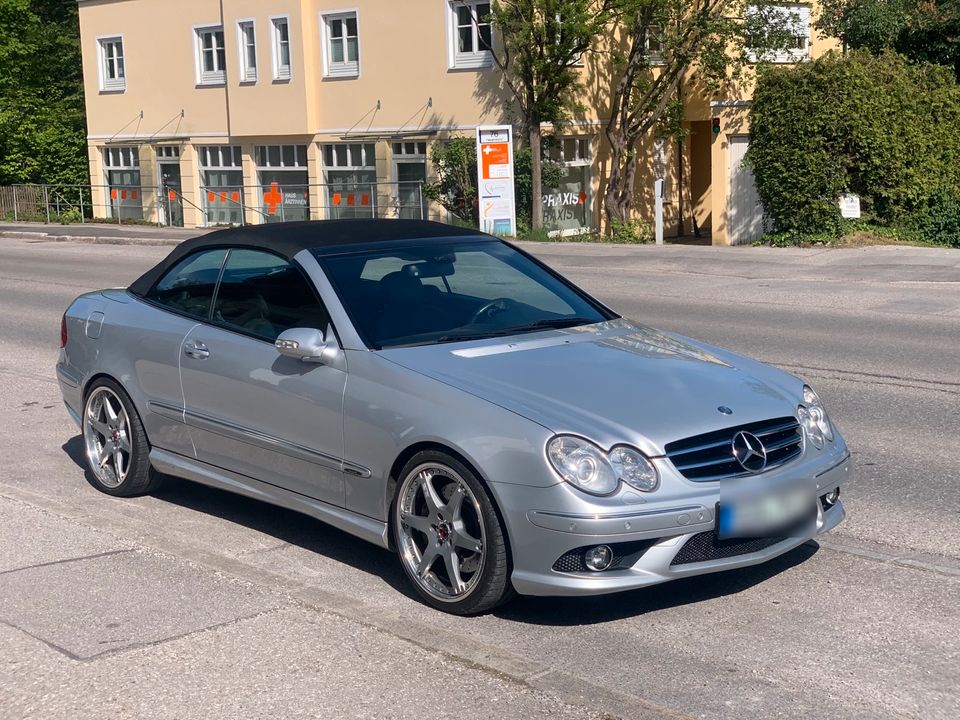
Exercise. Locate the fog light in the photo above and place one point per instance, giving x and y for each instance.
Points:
(598, 558)
(830, 498)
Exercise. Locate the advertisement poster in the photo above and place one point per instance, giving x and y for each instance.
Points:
(495, 180)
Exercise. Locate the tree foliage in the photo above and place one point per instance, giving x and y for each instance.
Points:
(659, 43)
(42, 126)
(878, 126)
(540, 44)
(924, 30)
(455, 166)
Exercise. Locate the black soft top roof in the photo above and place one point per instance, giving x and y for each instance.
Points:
(288, 239)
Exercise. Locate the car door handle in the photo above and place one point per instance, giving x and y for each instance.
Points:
(196, 349)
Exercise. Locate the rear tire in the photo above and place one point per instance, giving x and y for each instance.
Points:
(115, 444)
(450, 540)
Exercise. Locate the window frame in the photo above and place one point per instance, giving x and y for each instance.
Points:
(206, 78)
(347, 68)
(111, 85)
(475, 59)
(208, 320)
(247, 73)
(179, 313)
(281, 73)
(804, 11)
(292, 263)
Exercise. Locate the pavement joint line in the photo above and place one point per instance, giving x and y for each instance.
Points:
(52, 646)
(530, 673)
(172, 638)
(478, 654)
(95, 556)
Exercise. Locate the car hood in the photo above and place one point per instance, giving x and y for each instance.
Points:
(613, 382)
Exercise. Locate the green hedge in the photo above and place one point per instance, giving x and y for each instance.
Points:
(878, 126)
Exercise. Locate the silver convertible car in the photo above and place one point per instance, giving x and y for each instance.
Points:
(440, 392)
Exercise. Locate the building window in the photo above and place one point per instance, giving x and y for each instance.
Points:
(410, 173)
(795, 19)
(211, 56)
(284, 182)
(122, 173)
(654, 45)
(341, 43)
(350, 174)
(113, 76)
(416, 149)
(470, 34)
(168, 152)
(567, 207)
(280, 30)
(221, 184)
(247, 47)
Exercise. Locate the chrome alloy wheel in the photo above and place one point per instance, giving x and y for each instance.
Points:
(441, 532)
(106, 437)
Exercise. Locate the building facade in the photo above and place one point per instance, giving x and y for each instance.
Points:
(212, 112)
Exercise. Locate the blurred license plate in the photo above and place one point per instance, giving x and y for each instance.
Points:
(764, 514)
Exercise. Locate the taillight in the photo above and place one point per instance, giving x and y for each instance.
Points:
(63, 331)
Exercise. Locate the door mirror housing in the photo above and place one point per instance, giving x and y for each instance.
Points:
(304, 344)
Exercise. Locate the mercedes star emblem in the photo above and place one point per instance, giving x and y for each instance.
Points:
(749, 452)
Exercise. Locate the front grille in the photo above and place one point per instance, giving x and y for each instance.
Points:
(710, 456)
(705, 546)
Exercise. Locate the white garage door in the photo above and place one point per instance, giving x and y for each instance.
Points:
(745, 222)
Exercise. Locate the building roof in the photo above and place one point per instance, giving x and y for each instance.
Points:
(288, 239)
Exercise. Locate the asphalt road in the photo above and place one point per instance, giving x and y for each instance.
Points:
(252, 611)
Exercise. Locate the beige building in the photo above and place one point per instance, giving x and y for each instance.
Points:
(208, 112)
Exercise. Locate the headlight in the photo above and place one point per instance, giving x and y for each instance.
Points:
(588, 467)
(813, 417)
(634, 469)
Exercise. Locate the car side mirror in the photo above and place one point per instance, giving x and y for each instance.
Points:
(303, 344)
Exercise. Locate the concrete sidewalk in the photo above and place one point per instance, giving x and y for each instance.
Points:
(100, 233)
(95, 625)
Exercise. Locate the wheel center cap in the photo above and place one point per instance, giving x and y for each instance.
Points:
(443, 532)
(115, 436)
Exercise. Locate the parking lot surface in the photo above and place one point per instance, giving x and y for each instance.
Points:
(194, 603)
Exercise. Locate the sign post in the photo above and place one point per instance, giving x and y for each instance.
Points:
(497, 206)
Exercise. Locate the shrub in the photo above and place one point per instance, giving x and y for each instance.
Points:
(880, 127)
(939, 221)
(635, 232)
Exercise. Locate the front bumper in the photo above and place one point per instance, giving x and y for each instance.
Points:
(540, 537)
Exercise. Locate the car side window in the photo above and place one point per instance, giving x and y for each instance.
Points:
(188, 286)
(262, 295)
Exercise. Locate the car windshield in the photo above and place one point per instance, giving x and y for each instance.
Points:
(468, 290)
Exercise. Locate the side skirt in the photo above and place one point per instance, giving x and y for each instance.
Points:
(363, 527)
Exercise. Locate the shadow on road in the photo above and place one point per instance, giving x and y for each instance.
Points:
(285, 525)
(305, 532)
(634, 603)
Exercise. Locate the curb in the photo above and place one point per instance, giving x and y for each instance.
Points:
(90, 239)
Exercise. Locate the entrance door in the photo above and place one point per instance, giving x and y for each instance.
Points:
(171, 199)
(745, 221)
(411, 175)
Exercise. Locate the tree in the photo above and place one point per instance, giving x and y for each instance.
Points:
(541, 43)
(455, 166)
(42, 126)
(923, 30)
(658, 43)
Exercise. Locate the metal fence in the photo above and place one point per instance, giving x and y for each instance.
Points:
(212, 205)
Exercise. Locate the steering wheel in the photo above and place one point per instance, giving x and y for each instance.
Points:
(491, 309)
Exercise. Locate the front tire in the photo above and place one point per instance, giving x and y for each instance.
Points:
(115, 443)
(451, 542)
